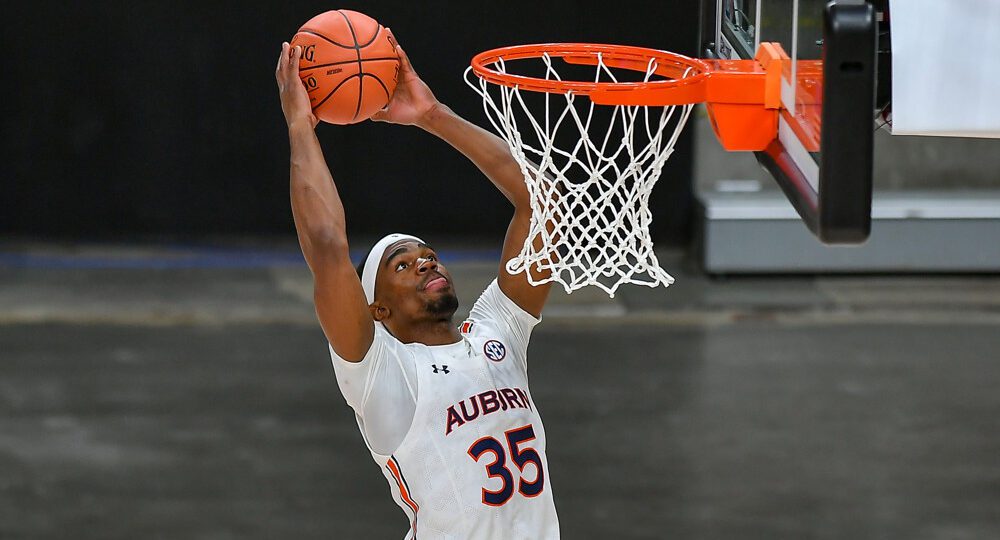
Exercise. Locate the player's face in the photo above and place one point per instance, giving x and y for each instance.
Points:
(414, 283)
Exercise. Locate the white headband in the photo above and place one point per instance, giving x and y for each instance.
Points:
(370, 269)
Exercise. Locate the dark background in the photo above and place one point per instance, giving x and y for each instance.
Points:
(127, 120)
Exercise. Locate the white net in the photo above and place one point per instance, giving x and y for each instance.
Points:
(589, 170)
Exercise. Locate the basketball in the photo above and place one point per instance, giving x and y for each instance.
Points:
(348, 65)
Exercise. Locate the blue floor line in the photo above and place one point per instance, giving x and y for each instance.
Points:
(200, 258)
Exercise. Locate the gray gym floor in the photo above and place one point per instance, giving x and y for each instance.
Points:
(145, 397)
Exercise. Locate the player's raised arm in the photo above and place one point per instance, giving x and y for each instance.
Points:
(319, 221)
(414, 104)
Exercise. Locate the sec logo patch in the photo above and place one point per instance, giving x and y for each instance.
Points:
(494, 350)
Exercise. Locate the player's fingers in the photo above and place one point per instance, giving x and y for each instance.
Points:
(404, 61)
(292, 64)
(281, 60)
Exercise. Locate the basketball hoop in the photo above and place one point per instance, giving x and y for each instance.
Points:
(590, 170)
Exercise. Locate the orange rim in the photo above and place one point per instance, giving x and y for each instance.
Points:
(686, 75)
(743, 96)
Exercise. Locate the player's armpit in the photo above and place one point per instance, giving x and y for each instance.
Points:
(340, 305)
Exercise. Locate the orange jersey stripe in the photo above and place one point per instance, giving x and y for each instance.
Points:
(404, 493)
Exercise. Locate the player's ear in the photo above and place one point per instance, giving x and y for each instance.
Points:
(379, 311)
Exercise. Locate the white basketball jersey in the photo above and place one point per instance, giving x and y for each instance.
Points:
(473, 464)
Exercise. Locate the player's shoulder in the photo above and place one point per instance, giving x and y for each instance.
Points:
(487, 310)
(383, 343)
(478, 327)
(493, 301)
(493, 317)
(489, 338)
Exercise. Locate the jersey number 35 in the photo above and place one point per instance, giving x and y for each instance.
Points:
(521, 456)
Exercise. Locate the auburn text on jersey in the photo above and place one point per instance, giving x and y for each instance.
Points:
(484, 403)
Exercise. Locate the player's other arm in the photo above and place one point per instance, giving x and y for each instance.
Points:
(414, 103)
(319, 221)
(492, 155)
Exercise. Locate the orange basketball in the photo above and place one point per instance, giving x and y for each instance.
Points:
(349, 65)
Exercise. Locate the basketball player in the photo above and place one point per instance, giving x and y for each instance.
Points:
(445, 410)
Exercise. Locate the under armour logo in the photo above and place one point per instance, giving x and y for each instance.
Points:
(442, 369)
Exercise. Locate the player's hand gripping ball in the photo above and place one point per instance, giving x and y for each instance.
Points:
(348, 65)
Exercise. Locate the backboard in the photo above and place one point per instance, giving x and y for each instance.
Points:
(822, 158)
